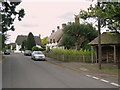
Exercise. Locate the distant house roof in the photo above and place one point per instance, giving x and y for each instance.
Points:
(111, 38)
(12, 44)
(56, 36)
(21, 38)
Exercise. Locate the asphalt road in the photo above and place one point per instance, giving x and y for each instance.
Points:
(19, 71)
(0, 74)
(0, 70)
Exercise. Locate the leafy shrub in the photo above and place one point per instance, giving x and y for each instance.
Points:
(71, 55)
(34, 48)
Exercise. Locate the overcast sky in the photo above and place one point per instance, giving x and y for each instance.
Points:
(41, 16)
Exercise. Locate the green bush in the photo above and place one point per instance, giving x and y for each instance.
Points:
(34, 48)
(70, 55)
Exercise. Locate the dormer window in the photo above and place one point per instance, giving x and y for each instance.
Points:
(50, 40)
(53, 40)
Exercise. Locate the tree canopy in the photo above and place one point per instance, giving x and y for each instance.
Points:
(30, 41)
(108, 12)
(8, 14)
(76, 34)
(23, 46)
(44, 40)
(107, 15)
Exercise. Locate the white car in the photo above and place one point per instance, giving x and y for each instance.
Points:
(37, 55)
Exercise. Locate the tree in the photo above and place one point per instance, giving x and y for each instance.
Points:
(109, 13)
(75, 34)
(8, 14)
(23, 47)
(44, 40)
(95, 13)
(0, 42)
(2, 39)
(30, 41)
(67, 41)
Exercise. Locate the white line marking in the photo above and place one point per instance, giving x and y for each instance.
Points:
(115, 84)
(104, 80)
(95, 77)
(88, 75)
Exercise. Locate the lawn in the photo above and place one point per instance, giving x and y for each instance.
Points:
(110, 69)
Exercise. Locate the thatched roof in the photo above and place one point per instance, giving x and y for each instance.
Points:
(108, 38)
(21, 38)
(56, 35)
(12, 44)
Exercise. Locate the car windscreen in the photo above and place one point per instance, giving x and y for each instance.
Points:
(37, 52)
(27, 51)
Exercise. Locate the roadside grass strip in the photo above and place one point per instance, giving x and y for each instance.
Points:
(103, 80)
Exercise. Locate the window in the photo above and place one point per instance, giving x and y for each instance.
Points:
(50, 40)
(53, 40)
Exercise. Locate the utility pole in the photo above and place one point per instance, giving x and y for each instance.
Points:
(99, 40)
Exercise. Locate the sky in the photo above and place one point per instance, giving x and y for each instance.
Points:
(43, 16)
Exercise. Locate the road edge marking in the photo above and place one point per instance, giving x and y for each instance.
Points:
(88, 75)
(104, 80)
(95, 77)
(115, 84)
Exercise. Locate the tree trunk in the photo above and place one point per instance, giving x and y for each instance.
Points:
(77, 46)
(99, 41)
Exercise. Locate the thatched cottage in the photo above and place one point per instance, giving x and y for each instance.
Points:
(21, 38)
(54, 40)
(110, 45)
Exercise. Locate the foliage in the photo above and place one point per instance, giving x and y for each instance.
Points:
(0, 42)
(108, 12)
(14, 48)
(8, 46)
(30, 41)
(34, 48)
(8, 15)
(67, 41)
(23, 46)
(70, 55)
(3, 37)
(85, 45)
(75, 34)
(44, 40)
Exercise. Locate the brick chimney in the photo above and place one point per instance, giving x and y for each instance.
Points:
(39, 35)
(52, 32)
(58, 27)
(63, 25)
(77, 19)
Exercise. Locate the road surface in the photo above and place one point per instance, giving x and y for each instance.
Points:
(20, 71)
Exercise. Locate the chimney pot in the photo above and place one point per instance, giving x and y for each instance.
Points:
(77, 19)
(63, 25)
(58, 27)
(40, 35)
(53, 31)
